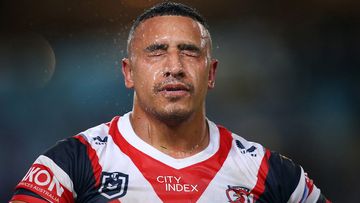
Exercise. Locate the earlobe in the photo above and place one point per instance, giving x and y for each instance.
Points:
(127, 73)
(212, 73)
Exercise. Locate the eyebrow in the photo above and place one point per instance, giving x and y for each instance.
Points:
(181, 47)
(154, 47)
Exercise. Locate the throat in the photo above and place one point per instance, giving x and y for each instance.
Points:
(178, 141)
(179, 152)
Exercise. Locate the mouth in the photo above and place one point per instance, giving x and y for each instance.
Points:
(174, 89)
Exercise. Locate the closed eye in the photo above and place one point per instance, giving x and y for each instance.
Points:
(156, 53)
(190, 53)
(189, 49)
(156, 49)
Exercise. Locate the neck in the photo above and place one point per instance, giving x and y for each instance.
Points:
(178, 140)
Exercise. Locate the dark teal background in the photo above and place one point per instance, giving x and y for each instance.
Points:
(288, 77)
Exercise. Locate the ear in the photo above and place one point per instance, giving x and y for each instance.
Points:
(127, 72)
(212, 73)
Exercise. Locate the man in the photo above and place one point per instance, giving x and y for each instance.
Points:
(165, 150)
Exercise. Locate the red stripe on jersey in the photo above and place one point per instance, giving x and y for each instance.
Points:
(41, 180)
(170, 184)
(93, 158)
(115, 201)
(26, 198)
(259, 188)
(309, 184)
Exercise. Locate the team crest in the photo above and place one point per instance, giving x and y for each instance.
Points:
(113, 185)
(238, 194)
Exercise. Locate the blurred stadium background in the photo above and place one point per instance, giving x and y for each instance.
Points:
(288, 78)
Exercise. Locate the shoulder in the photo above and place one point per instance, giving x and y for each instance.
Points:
(97, 135)
(77, 146)
(278, 179)
(68, 165)
(278, 175)
(248, 147)
(274, 161)
(251, 152)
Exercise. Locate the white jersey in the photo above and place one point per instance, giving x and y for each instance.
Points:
(110, 163)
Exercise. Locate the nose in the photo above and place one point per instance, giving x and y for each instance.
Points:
(174, 67)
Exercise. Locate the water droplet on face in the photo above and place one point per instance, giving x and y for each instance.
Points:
(142, 84)
(158, 73)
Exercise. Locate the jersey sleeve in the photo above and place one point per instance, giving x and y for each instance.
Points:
(58, 175)
(292, 183)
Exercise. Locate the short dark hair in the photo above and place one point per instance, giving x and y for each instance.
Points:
(168, 8)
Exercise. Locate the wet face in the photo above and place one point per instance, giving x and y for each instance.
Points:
(170, 67)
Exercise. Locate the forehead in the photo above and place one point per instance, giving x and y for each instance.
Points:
(162, 28)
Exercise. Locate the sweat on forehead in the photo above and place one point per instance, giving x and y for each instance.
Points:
(167, 9)
(170, 31)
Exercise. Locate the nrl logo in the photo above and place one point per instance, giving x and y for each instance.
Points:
(238, 194)
(113, 185)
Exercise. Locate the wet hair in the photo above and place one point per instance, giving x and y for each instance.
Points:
(163, 9)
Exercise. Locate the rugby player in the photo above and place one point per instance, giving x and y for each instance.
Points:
(165, 149)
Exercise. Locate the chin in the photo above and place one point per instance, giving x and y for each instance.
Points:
(173, 116)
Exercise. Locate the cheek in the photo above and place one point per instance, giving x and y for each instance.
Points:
(146, 75)
(200, 80)
(156, 73)
(199, 72)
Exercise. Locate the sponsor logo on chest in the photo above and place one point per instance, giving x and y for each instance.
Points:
(175, 184)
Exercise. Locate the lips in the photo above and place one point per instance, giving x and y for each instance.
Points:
(174, 89)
